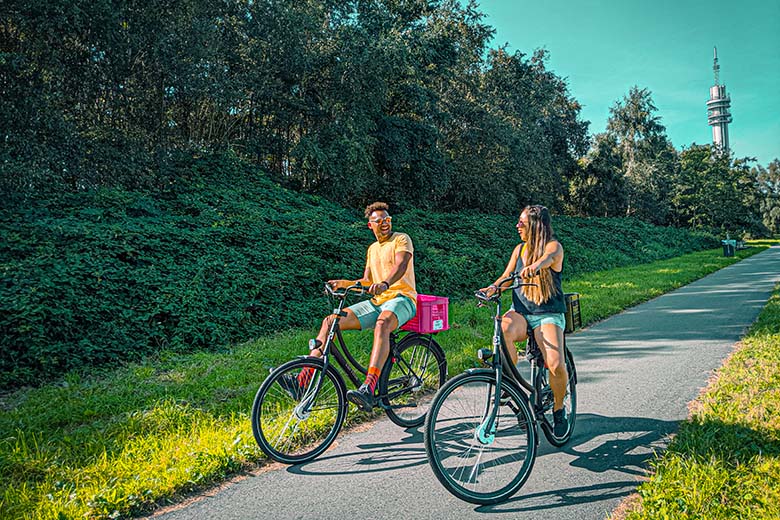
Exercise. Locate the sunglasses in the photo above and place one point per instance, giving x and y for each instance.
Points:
(380, 221)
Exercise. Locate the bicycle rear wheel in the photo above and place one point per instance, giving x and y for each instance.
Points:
(472, 470)
(291, 421)
(410, 379)
(569, 402)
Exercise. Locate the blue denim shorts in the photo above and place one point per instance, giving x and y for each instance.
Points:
(367, 313)
(536, 320)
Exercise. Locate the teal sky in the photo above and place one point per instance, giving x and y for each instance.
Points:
(604, 47)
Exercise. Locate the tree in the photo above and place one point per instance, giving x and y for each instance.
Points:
(769, 194)
(599, 187)
(649, 160)
(712, 190)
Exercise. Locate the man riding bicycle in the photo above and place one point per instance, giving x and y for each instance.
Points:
(389, 274)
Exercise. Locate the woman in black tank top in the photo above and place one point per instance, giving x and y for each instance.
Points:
(539, 260)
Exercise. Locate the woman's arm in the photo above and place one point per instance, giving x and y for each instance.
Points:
(553, 252)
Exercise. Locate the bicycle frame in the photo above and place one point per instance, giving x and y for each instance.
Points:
(501, 362)
(336, 346)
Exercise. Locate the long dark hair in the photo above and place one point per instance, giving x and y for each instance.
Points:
(540, 233)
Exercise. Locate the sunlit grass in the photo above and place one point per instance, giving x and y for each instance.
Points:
(725, 461)
(120, 443)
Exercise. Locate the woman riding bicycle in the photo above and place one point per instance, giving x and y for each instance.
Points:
(539, 260)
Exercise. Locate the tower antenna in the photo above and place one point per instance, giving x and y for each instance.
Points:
(718, 113)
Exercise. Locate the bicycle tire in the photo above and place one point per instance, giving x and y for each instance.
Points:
(410, 378)
(569, 402)
(473, 471)
(283, 429)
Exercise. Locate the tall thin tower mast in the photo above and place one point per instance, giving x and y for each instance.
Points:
(718, 114)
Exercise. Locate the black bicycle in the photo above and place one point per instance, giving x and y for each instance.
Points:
(481, 431)
(296, 423)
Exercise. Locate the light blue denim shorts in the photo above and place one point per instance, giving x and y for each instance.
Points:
(367, 313)
(536, 320)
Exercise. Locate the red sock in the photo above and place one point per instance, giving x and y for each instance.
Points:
(372, 377)
(305, 376)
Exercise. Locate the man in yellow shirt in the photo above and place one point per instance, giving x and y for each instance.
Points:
(389, 273)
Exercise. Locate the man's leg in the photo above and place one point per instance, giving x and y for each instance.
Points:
(363, 397)
(348, 322)
(394, 313)
(385, 324)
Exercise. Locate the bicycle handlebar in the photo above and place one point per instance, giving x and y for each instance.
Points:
(357, 287)
(514, 277)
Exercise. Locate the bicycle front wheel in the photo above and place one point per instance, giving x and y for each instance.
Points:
(292, 420)
(481, 467)
(410, 379)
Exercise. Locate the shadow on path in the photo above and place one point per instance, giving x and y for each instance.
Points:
(600, 444)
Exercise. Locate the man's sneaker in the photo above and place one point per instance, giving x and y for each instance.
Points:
(290, 384)
(560, 423)
(363, 397)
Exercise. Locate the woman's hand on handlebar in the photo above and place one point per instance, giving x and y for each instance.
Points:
(529, 271)
(489, 291)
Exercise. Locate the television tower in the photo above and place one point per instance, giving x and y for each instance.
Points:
(718, 114)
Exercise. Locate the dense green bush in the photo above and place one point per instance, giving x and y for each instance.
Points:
(222, 255)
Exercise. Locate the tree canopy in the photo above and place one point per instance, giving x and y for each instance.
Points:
(402, 100)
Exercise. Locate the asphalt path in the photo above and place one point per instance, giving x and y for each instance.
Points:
(637, 373)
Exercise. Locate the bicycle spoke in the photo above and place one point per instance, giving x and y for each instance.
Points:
(291, 423)
(471, 469)
(408, 385)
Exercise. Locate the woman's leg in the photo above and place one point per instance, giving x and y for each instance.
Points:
(550, 340)
(515, 330)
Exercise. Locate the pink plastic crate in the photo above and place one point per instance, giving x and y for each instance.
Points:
(432, 315)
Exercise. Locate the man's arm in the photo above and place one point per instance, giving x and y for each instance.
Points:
(340, 284)
(402, 259)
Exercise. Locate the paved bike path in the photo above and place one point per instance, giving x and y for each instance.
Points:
(637, 373)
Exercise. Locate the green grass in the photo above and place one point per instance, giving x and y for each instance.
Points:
(725, 461)
(120, 443)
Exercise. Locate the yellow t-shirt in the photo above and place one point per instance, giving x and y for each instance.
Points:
(380, 261)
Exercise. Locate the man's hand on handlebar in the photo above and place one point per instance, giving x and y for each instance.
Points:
(340, 284)
(378, 288)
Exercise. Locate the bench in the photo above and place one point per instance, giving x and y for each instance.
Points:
(741, 245)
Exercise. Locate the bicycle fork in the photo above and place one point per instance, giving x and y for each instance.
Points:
(485, 433)
(303, 409)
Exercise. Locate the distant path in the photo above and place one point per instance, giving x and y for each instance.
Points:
(637, 372)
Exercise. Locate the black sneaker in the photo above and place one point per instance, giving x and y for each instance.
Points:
(290, 384)
(560, 423)
(363, 398)
(505, 398)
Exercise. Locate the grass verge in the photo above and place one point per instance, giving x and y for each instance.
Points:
(725, 461)
(120, 443)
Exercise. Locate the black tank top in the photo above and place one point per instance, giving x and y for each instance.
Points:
(525, 306)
